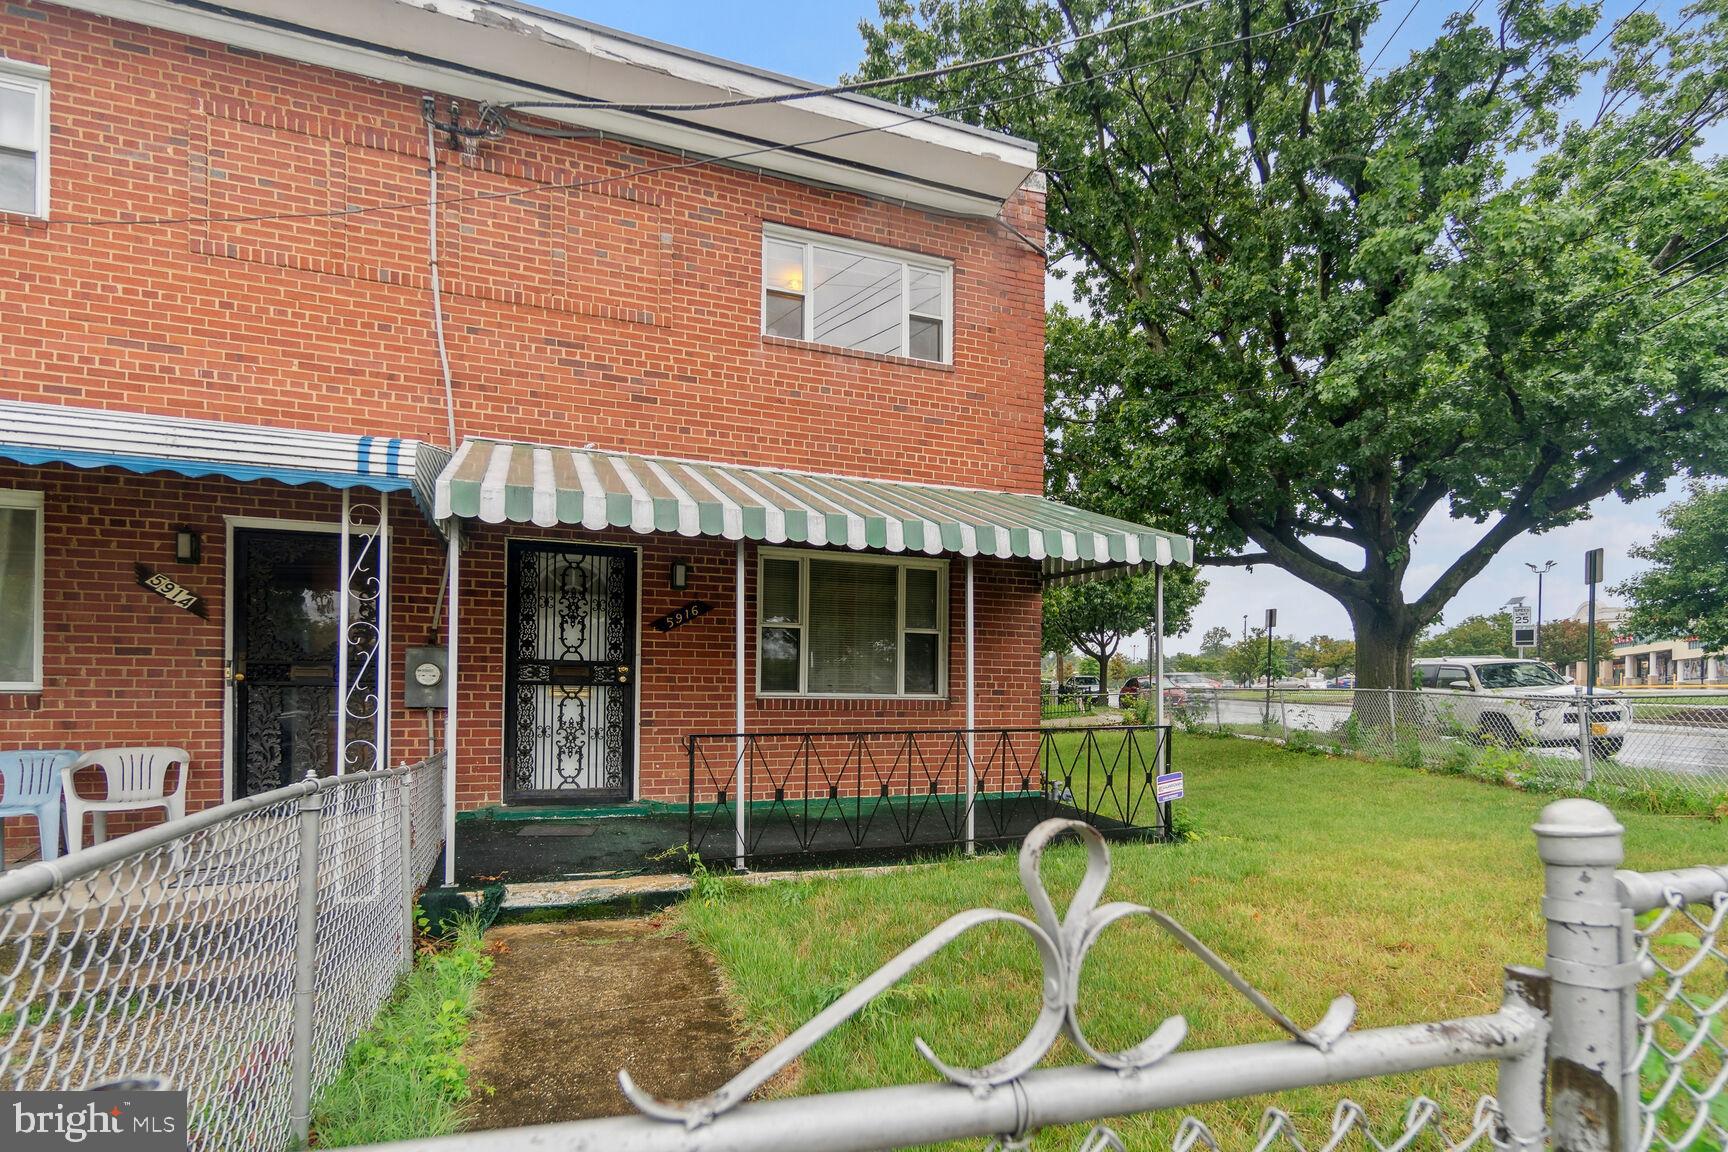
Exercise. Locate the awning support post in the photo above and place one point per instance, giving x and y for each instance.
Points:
(740, 797)
(344, 596)
(971, 718)
(453, 681)
(1158, 660)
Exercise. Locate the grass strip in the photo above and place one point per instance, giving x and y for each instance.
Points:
(403, 1078)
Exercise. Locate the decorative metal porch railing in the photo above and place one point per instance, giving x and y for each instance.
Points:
(766, 795)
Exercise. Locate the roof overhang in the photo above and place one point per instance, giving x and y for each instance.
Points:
(492, 50)
(32, 433)
(499, 482)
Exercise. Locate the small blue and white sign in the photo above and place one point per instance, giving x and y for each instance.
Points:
(1169, 787)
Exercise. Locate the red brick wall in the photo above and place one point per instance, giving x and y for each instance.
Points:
(626, 315)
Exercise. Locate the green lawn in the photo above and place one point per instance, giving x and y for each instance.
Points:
(1313, 876)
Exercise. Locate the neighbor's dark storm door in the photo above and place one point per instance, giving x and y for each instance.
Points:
(569, 671)
(284, 622)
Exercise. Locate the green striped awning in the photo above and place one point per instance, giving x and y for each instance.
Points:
(499, 482)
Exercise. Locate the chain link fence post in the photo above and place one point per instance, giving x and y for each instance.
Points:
(1580, 844)
(1392, 721)
(405, 856)
(311, 813)
(1585, 711)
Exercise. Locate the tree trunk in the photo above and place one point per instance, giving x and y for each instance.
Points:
(1385, 645)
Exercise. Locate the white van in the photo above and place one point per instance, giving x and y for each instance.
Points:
(1519, 703)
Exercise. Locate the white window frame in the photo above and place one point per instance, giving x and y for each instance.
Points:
(32, 78)
(908, 262)
(20, 498)
(901, 563)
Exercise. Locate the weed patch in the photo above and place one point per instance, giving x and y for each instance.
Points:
(404, 1078)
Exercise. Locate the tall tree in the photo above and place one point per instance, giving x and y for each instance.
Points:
(1096, 617)
(1216, 640)
(1565, 642)
(1685, 591)
(1317, 310)
(1252, 660)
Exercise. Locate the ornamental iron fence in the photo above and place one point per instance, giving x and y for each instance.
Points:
(816, 793)
(234, 953)
(1611, 740)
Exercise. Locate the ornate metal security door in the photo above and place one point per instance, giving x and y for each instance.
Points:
(570, 711)
(286, 620)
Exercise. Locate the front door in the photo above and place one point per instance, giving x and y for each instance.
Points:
(284, 621)
(569, 671)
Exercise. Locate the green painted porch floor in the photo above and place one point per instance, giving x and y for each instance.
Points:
(520, 846)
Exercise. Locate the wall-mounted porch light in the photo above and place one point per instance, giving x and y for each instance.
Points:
(680, 574)
(188, 547)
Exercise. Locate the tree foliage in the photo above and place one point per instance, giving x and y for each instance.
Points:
(1096, 617)
(1250, 661)
(1685, 591)
(1489, 635)
(1328, 656)
(1216, 640)
(1563, 641)
(1317, 309)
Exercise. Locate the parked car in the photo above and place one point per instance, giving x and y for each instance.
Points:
(1191, 680)
(1522, 703)
(1347, 680)
(1078, 686)
(1174, 696)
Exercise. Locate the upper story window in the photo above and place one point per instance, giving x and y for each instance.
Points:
(23, 138)
(20, 591)
(856, 296)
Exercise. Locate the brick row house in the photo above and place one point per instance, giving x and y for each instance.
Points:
(347, 415)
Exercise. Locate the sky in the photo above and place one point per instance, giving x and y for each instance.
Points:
(817, 40)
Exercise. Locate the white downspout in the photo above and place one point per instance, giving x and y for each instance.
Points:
(437, 285)
(453, 560)
(739, 798)
(971, 718)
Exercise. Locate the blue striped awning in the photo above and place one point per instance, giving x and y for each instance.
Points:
(32, 433)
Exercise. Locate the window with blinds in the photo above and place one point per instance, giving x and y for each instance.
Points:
(852, 627)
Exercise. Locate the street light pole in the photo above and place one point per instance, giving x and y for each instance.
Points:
(1540, 572)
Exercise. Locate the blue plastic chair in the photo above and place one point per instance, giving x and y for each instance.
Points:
(30, 786)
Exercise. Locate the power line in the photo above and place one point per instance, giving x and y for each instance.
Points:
(683, 165)
(857, 85)
(1393, 35)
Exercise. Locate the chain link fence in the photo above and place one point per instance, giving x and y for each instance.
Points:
(1650, 742)
(234, 953)
(1680, 1054)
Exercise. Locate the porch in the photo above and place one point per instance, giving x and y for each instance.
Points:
(621, 653)
(849, 798)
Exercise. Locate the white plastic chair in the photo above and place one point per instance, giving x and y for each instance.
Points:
(30, 786)
(137, 781)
